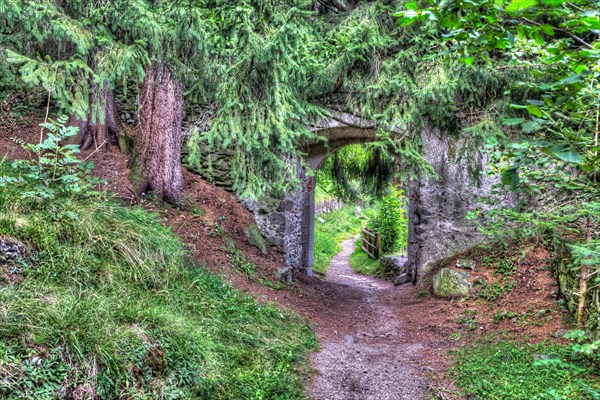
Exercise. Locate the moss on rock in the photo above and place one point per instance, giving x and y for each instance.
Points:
(451, 283)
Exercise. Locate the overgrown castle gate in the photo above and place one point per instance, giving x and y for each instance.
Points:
(438, 206)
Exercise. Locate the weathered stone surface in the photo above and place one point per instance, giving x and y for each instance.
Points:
(11, 251)
(438, 227)
(286, 274)
(392, 265)
(451, 283)
(255, 237)
(402, 279)
(465, 263)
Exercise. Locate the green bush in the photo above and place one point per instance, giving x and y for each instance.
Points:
(390, 220)
(53, 168)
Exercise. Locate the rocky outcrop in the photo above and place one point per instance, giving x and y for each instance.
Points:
(449, 282)
(13, 257)
(402, 279)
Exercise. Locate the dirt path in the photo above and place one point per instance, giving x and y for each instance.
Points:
(375, 357)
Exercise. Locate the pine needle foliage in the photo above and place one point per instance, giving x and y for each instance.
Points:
(262, 71)
(358, 171)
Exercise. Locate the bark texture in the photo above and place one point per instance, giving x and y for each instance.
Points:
(156, 159)
(98, 132)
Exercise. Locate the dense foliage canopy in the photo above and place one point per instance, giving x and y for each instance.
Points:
(518, 78)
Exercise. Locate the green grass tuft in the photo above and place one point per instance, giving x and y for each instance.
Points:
(362, 263)
(110, 306)
(493, 369)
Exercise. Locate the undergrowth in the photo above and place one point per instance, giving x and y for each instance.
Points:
(508, 369)
(110, 306)
(338, 226)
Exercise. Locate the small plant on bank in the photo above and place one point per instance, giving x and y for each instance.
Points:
(468, 319)
(53, 168)
(500, 315)
(492, 291)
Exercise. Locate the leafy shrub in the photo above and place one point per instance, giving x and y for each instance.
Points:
(390, 221)
(53, 168)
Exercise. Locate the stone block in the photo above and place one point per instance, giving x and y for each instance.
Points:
(451, 283)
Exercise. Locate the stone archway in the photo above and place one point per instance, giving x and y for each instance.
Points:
(438, 205)
(337, 138)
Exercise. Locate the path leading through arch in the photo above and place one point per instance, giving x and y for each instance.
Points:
(376, 357)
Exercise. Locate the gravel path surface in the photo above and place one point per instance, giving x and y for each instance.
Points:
(373, 358)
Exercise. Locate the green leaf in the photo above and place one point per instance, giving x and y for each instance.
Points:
(518, 5)
(537, 37)
(547, 29)
(513, 121)
(510, 177)
(510, 37)
(571, 79)
(534, 110)
(566, 153)
(531, 126)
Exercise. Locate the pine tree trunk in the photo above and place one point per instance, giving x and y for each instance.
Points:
(99, 132)
(156, 158)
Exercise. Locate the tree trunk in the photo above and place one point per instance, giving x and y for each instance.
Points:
(99, 131)
(156, 159)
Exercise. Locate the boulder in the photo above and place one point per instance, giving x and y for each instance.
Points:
(393, 264)
(465, 264)
(402, 279)
(286, 274)
(11, 251)
(255, 238)
(451, 283)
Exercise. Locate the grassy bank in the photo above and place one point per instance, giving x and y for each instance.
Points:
(509, 369)
(108, 305)
(362, 263)
(338, 226)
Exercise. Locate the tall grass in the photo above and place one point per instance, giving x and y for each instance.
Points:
(110, 306)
